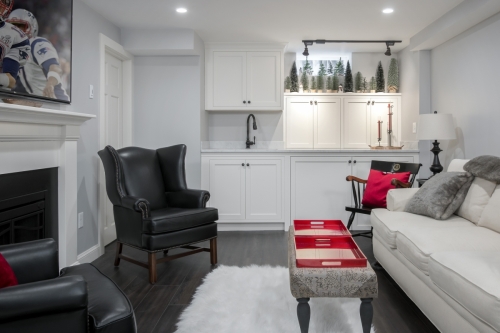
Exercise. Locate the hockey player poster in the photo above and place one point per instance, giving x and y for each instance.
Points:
(35, 46)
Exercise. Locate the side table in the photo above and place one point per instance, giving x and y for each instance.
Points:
(421, 182)
(330, 282)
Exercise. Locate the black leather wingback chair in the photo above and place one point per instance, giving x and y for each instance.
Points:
(153, 208)
(78, 300)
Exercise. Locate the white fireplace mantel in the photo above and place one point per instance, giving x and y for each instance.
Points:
(37, 138)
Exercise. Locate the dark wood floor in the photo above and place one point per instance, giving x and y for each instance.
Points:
(158, 307)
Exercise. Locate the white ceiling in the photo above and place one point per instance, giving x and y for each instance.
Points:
(283, 20)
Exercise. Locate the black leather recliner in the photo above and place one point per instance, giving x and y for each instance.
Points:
(153, 208)
(79, 300)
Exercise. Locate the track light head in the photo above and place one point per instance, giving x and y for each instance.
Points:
(388, 52)
(306, 52)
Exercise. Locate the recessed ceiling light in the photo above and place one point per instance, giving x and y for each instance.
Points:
(181, 10)
(388, 11)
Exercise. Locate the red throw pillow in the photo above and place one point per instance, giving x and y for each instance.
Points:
(7, 276)
(377, 186)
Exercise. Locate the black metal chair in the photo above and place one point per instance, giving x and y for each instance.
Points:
(359, 186)
(153, 208)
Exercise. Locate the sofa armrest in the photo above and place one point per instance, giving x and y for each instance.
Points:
(398, 198)
(188, 199)
(136, 204)
(60, 295)
(33, 261)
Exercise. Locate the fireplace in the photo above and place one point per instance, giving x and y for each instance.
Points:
(28, 206)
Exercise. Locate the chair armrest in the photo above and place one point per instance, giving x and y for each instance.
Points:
(137, 204)
(398, 198)
(188, 199)
(64, 294)
(356, 179)
(33, 261)
(400, 184)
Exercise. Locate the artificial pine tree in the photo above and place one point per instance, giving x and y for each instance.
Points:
(329, 84)
(288, 83)
(358, 81)
(393, 77)
(321, 76)
(364, 85)
(314, 86)
(308, 68)
(305, 81)
(335, 82)
(348, 78)
(373, 83)
(339, 67)
(294, 86)
(380, 78)
(330, 68)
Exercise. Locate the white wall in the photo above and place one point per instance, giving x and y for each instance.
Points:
(465, 82)
(87, 24)
(367, 62)
(232, 126)
(167, 106)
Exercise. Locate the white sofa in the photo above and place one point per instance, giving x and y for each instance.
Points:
(451, 268)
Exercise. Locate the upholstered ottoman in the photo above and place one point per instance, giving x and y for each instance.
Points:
(330, 282)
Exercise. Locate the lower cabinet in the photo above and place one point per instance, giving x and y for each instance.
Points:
(247, 190)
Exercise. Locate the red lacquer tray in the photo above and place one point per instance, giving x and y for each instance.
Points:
(315, 228)
(328, 252)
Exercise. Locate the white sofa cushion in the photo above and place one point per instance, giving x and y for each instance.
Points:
(457, 165)
(490, 218)
(418, 244)
(387, 223)
(471, 279)
(398, 198)
(476, 199)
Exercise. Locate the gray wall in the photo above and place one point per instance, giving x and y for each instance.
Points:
(167, 106)
(465, 74)
(87, 24)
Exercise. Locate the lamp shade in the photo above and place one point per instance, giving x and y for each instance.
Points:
(436, 126)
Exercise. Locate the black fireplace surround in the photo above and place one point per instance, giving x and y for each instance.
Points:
(28, 206)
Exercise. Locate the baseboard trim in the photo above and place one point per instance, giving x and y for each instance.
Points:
(88, 256)
(250, 226)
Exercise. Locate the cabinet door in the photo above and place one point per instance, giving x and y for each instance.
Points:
(327, 122)
(264, 190)
(229, 79)
(319, 189)
(299, 123)
(356, 116)
(264, 79)
(361, 169)
(379, 110)
(227, 188)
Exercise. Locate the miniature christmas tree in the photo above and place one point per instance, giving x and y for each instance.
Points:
(358, 81)
(339, 67)
(329, 84)
(364, 85)
(288, 83)
(393, 76)
(380, 78)
(305, 81)
(294, 78)
(321, 76)
(335, 82)
(348, 78)
(314, 86)
(308, 68)
(330, 68)
(373, 83)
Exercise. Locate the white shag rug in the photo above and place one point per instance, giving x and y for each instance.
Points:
(258, 299)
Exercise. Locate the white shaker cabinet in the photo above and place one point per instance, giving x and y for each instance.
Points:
(356, 122)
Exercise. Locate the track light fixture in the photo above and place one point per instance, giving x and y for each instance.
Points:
(388, 43)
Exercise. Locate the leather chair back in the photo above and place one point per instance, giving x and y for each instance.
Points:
(172, 162)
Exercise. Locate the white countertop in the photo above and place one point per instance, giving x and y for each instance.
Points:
(270, 151)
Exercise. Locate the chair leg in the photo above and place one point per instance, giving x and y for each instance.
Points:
(152, 267)
(351, 219)
(213, 251)
(119, 248)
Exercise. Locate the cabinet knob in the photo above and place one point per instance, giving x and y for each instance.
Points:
(354, 161)
(368, 103)
(350, 161)
(249, 102)
(244, 102)
(315, 102)
(311, 102)
(243, 164)
(248, 164)
(373, 102)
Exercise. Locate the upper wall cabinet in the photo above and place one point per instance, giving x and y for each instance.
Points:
(242, 79)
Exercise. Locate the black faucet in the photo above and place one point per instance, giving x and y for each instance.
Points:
(249, 143)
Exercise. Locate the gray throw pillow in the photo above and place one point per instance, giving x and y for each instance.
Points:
(441, 195)
(486, 167)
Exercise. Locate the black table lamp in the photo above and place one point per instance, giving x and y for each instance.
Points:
(436, 127)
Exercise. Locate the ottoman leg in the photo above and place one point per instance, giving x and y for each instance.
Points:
(304, 314)
(366, 312)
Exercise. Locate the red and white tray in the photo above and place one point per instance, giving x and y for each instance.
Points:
(315, 228)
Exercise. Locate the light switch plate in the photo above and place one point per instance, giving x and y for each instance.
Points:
(414, 127)
(91, 92)
(80, 220)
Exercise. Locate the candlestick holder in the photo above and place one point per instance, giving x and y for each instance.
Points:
(389, 132)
